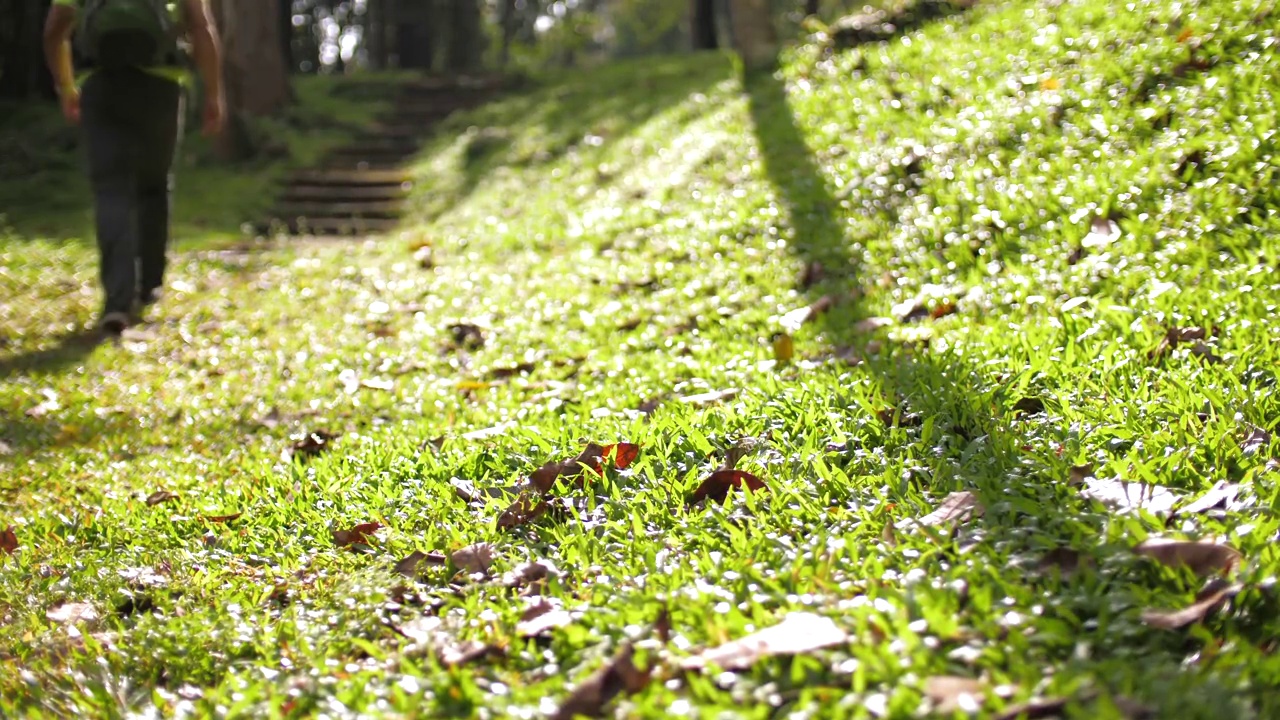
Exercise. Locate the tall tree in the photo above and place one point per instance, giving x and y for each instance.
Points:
(754, 36)
(465, 39)
(507, 23)
(702, 24)
(257, 83)
(22, 69)
(285, 22)
(811, 7)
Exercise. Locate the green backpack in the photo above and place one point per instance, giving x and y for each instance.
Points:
(128, 33)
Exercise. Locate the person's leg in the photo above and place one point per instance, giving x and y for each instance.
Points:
(113, 175)
(160, 124)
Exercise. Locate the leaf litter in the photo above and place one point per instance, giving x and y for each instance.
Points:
(8, 540)
(359, 534)
(797, 633)
(1201, 557)
(1208, 601)
(531, 500)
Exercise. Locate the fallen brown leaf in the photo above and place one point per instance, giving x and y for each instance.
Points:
(956, 507)
(541, 617)
(617, 676)
(1221, 495)
(707, 398)
(1078, 474)
(311, 444)
(466, 335)
(872, 324)
(528, 506)
(428, 632)
(1257, 441)
(1035, 709)
(474, 558)
(531, 572)
(220, 518)
(74, 612)
(359, 534)
(409, 566)
(949, 693)
(1203, 558)
(812, 274)
(798, 632)
(798, 317)
(160, 496)
(8, 540)
(717, 485)
(1208, 601)
(1124, 496)
(1064, 559)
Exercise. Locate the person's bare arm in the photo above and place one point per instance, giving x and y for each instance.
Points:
(59, 25)
(207, 49)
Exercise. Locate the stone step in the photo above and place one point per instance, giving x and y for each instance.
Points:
(330, 225)
(345, 192)
(350, 177)
(329, 208)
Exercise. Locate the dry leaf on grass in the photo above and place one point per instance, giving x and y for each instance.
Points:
(485, 433)
(309, 445)
(409, 566)
(160, 496)
(1125, 496)
(1221, 495)
(220, 518)
(1208, 601)
(799, 632)
(428, 632)
(949, 693)
(1256, 441)
(527, 507)
(716, 486)
(1202, 557)
(617, 676)
(466, 335)
(359, 534)
(8, 540)
(541, 617)
(872, 324)
(474, 558)
(68, 613)
(707, 398)
(531, 503)
(957, 507)
(798, 317)
(526, 574)
(1064, 559)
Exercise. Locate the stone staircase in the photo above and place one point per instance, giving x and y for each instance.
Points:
(360, 188)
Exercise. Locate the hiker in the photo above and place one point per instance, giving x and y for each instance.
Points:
(129, 101)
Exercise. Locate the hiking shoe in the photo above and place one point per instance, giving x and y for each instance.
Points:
(150, 297)
(114, 323)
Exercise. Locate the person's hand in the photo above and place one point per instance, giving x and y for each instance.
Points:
(69, 98)
(215, 115)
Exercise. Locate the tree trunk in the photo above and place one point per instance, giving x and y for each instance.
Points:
(507, 21)
(702, 24)
(285, 9)
(253, 68)
(22, 70)
(754, 36)
(811, 7)
(465, 40)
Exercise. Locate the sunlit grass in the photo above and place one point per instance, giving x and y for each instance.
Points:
(637, 236)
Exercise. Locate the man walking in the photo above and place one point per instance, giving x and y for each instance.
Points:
(128, 99)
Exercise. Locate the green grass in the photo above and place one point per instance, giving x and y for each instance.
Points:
(638, 234)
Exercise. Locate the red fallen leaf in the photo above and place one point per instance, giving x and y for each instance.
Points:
(623, 454)
(220, 518)
(717, 485)
(358, 534)
(591, 695)
(8, 540)
(942, 310)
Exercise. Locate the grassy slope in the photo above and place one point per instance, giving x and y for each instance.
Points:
(660, 193)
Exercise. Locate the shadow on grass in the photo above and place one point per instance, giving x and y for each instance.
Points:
(68, 350)
(969, 419)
